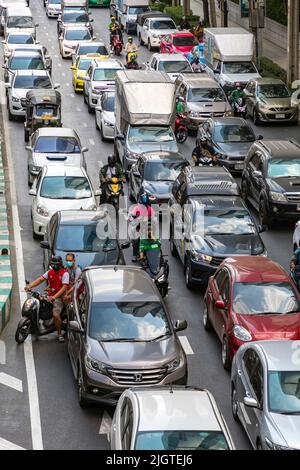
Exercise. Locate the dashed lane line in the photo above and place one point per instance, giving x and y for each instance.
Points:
(186, 345)
(10, 381)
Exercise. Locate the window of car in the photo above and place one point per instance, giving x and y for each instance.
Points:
(83, 64)
(137, 10)
(77, 35)
(146, 24)
(150, 134)
(167, 38)
(26, 63)
(256, 163)
(256, 378)
(250, 88)
(127, 425)
(57, 144)
(273, 91)
(184, 41)
(20, 39)
(105, 74)
(163, 171)
(219, 278)
(83, 238)
(225, 289)
(249, 361)
(283, 167)
(92, 49)
(162, 24)
(174, 66)
(284, 392)
(65, 187)
(201, 95)
(232, 133)
(30, 82)
(181, 440)
(141, 165)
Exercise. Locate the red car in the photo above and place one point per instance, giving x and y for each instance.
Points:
(178, 43)
(250, 298)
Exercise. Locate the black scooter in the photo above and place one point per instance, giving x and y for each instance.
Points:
(157, 267)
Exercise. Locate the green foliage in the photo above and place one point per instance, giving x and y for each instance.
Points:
(158, 6)
(275, 9)
(270, 69)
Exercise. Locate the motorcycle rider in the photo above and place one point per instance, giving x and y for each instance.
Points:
(148, 244)
(74, 273)
(108, 171)
(58, 283)
(184, 24)
(132, 62)
(113, 23)
(236, 94)
(130, 47)
(116, 31)
(197, 66)
(179, 105)
(203, 149)
(144, 213)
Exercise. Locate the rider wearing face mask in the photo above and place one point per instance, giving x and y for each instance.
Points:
(74, 273)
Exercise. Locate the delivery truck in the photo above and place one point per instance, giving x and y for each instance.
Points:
(143, 123)
(228, 55)
(128, 11)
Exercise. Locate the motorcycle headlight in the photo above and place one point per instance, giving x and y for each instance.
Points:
(28, 304)
(241, 333)
(196, 256)
(272, 446)
(277, 197)
(92, 364)
(41, 210)
(161, 278)
(15, 100)
(176, 363)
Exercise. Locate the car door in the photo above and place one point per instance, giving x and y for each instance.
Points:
(87, 83)
(178, 222)
(50, 236)
(221, 314)
(32, 142)
(213, 294)
(256, 170)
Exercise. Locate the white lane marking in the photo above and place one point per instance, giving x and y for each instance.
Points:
(91, 141)
(72, 94)
(105, 425)
(33, 396)
(2, 352)
(84, 124)
(10, 381)
(78, 109)
(186, 345)
(7, 445)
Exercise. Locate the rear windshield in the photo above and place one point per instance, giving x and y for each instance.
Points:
(30, 82)
(184, 41)
(162, 24)
(75, 18)
(92, 49)
(26, 63)
(54, 144)
(77, 35)
(201, 95)
(20, 39)
(20, 22)
(137, 10)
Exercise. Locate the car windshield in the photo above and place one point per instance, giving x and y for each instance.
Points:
(233, 134)
(54, 2)
(181, 440)
(20, 22)
(262, 298)
(77, 35)
(201, 95)
(105, 74)
(184, 41)
(150, 134)
(135, 321)
(20, 39)
(162, 24)
(108, 104)
(30, 82)
(229, 221)
(83, 238)
(273, 91)
(174, 66)
(137, 10)
(49, 111)
(239, 67)
(284, 392)
(163, 171)
(54, 144)
(92, 49)
(75, 18)
(84, 64)
(26, 63)
(65, 187)
(279, 168)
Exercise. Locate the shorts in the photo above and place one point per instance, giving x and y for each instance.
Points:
(58, 306)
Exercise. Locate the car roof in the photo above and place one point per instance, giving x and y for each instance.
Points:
(44, 73)
(56, 131)
(27, 53)
(80, 217)
(63, 170)
(182, 33)
(268, 81)
(75, 28)
(93, 43)
(279, 354)
(170, 57)
(162, 155)
(107, 63)
(121, 284)
(210, 180)
(157, 18)
(18, 10)
(19, 33)
(177, 409)
(229, 120)
(28, 47)
(280, 148)
(255, 269)
(195, 80)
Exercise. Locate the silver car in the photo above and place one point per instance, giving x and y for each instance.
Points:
(265, 380)
(53, 8)
(172, 64)
(16, 39)
(70, 37)
(105, 116)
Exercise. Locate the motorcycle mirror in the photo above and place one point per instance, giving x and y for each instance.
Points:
(259, 137)
(180, 325)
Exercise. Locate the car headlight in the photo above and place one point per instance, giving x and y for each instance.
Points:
(241, 333)
(155, 36)
(194, 113)
(15, 100)
(92, 364)
(271, 445)
(132, 155)
(200, 256)
(36, 169)
(108, 124)
(176, 363)
(263, 106)
(41, 210)
(277, 197)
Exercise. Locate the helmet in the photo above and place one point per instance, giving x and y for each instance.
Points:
(113, 18)
(144, 199)
(196, 59)
(129, 38)
(238, 85)
(56, 263)
(111, 160)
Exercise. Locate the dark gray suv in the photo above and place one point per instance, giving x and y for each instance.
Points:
(121, 335)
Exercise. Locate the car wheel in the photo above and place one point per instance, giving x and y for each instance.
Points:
(149, 45)
(225, 354)
(234, 403)
(30, 178)
(263, 215)
(11, 117)
(84, 97)
(244, 190)
(141, 41)
(173, 248)
(256, 120)
(26, 135)
(81, 400)
(187, 273)
(206, 321)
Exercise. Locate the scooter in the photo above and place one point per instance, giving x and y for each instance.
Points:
(157, 267)
(117, 45)
(37, 317)
(240, 108)
(206, 160)
(181, 130)
(112, 192)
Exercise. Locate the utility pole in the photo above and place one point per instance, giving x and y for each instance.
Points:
(224, 13)
(213, 16)
(293, 40)
(206, 12)
(257, 23)
(186, 7)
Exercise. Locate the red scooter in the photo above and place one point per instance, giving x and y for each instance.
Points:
(117, 44)
(181, 130)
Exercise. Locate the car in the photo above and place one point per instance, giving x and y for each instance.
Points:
(129, 338)
(154, 29)
(105, 115)
(70, 37)
(270, 180)
(4, 4)
(72, 19)
(99, 3)
(180, 42)
(19, 18)
(250, 299)
(155, 173)
(100, 77)
(53, 146)
(16, 39)
(79, 70)
(268, 100)
(53, 8)
(38, 48)
(231, 138)
(202, 97)
(22, 61)
(75, 231)
(59, 187)
(22, 82)
(128, 12)
(173, 65)
(85, 48)
(265, 378)
(165, 418)
(217, 223)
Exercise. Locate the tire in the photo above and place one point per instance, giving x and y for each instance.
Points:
(187, 274)
(96, 125)
(149, 46)
(206, 321)
(256, 120)
(23, 330)
(141, 41)
(173, 248)
(244, 190)
(26, 135)
(11, 117)
(263, 215)
(181, 136)
(226, 361)
(81, 400)
(118, 52)
(84, 97)
(234, 405)
(29, 179)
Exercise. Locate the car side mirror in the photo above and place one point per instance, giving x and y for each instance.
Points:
(251, 402)
(73, 325)
(4, 66)
(37, 42)
(137, 174)
(91, 20)
(98, 108)
(56, 86)
(3, 42)
(220, 304)
(180, 325)
(84, 149)
(257, 174)
(45, 244)
(125, 245)
(262, 228)
(94, 37)
(259, 137)
(32, 192)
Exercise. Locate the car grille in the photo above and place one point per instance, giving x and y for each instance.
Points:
(280, 110)
(237, 158)
(293, 197)
(137, 376)
(216, 260)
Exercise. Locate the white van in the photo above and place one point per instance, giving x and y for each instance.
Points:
(19, 18)
(4, 4)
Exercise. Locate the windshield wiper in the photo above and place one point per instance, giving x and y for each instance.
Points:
(160, 337)
(119, 340)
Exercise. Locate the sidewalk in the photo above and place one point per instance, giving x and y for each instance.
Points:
(274, 52)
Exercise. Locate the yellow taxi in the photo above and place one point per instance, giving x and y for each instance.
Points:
(80, 67)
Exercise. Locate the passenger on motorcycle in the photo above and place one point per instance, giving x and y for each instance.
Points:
(179, 105)
(108, 171)
(140, 213)
(130, 47)
(203, 149)
(74, 273)
(58, 284)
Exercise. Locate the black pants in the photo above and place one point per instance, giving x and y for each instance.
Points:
(135, 247)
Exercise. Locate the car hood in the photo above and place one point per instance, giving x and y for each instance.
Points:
(239, 77)
(264, 327)
(225, 245)
(109, 117)
(135, 354)
(54, 6)
(42, 159)
(85, 259)
(284, 184)
(75, 42)
(208, 107)
(20, 30)
(140, 147)
(163, 32)
(161, 189)
(289, 427)
(19, 92)
(237, 149)
(182, 49)
(276, 102)
(53, 205)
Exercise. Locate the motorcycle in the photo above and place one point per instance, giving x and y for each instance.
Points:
(206, 160)
(117, 44)
(240, 108)
(181, 130)
(158, 269)
(113, 189)
(131, 61)
(37, 317)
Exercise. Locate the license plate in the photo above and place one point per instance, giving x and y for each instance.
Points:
(280, 116)
(298, 207)
(239, 166)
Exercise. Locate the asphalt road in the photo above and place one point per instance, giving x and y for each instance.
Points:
(64, 424)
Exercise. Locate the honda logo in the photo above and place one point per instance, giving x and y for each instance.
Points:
(138, 377)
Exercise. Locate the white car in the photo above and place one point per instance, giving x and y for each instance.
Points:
(296, 236)
(53, 146)
(53, 8)
(172, 64)
(70, 37)
(59, 187)
(154, 29)
(105, 115)
(22, 82)
(17, 39)
(169, 418)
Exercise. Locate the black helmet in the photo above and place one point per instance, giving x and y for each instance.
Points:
(56, 263)
(111, 160)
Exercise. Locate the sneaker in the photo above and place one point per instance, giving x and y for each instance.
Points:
(61, 339)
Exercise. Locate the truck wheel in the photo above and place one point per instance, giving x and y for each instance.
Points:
(141, 41)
